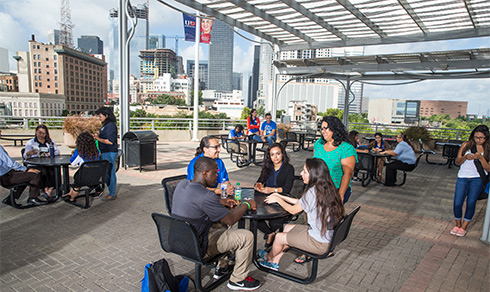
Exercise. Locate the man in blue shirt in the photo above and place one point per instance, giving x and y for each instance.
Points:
(209, 147)
(269, 131)
(12, 173)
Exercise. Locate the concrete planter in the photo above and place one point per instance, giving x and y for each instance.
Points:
(69, 140)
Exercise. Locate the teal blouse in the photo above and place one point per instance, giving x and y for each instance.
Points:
(333, 158)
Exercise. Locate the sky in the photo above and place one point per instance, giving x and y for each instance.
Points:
(19, 19)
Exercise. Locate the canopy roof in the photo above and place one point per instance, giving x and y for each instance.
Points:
(305, 24)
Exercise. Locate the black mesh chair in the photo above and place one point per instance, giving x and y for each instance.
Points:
(169, 184)
(289, 139)
(405, 171)
(450, 152)
(427, 153)
(180, 237)
(89, 179)
(340, 234)
(365, 168)
(11, 198)
(310, 137)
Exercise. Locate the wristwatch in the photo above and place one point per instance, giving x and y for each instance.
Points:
(275, 190)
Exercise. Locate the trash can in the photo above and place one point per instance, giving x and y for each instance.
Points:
(140, 148)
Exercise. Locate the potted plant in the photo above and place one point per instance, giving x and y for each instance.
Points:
(416, 133)
(76, 124)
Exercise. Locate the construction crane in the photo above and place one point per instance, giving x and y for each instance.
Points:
(176, 42)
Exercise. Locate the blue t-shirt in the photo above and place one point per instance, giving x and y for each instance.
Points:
(267, 128)
(405, 153)
(222, 174)
(233, 134)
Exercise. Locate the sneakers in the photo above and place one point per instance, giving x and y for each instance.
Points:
(249, 284)
(356, 179)
(458, 231)
(269, 265)
(220, 272)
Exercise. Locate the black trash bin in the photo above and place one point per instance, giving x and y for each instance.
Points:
(140, 148)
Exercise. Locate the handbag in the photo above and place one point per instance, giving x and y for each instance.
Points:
(159, 278)
(485, 178)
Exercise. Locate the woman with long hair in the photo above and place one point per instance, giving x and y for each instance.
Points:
(276, 176)
(469, 184)
(86, 151)
(338, 153)
(253, 123)
(324, 208)
(107, 138)
(379, 145)
(40, 146)
(405, 159)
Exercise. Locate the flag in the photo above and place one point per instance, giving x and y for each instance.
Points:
(189, 27)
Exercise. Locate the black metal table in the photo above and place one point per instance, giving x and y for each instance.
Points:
(264, 211)
(252, 151)
(368, 163)
(450, 152)
(60, 161)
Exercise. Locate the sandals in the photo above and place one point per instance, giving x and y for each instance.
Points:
(269, 265)
(302, 259)
(261, 253)
(266, 237)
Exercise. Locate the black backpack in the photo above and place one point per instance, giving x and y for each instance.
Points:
(159, 278)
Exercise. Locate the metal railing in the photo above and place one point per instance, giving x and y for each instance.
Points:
(9, 122)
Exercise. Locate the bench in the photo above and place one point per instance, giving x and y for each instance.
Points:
(17, 137)
(405, 171)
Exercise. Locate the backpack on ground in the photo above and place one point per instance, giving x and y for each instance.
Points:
(159, 278)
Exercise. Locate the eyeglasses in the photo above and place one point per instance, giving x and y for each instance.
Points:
(479, 138)
(324, 128)
(215, 146)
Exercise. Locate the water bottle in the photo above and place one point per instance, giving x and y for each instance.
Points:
(51, 150)
(224, 187)
(238, 193)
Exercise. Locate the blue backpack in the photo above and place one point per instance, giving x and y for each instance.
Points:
(159, 278)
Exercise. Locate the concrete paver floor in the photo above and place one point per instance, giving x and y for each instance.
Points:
(399, 241)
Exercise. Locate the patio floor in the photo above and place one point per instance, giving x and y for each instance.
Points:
(399, 241)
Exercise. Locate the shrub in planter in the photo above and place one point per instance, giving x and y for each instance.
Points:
(76, 124)
(416, 133)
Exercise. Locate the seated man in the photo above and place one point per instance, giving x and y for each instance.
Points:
(209, 147)
(201, 207)
(12, 173)
(269, 131)
(237, 134)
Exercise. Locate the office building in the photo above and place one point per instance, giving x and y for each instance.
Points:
(203, 73)
(138, 42)
(28, 104)
(156, 42)
(91, 44)
(54, 37)
(237, 81)
(4, 61)
(454, 109)
(57, 69)
(154, 63)
(253, 81)
(221, 58)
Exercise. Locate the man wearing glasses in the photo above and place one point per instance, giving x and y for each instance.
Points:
(210, 147)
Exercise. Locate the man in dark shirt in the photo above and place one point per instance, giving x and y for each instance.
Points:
(202, 207)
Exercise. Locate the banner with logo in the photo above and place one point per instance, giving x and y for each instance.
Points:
(189, 28)
(206, 27)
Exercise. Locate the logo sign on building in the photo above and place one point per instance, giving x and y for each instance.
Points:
(190, 29)
(412, 111)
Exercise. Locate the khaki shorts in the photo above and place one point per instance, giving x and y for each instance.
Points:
(298, 237)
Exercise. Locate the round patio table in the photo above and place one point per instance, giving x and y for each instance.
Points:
(60, 161)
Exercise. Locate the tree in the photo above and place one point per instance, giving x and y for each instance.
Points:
(192, 98)
(334, 112)
(279, 113)
(245, 113)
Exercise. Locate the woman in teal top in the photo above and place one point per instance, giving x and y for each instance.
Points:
(339, 155)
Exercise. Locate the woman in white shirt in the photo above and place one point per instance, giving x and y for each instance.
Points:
(469, 184)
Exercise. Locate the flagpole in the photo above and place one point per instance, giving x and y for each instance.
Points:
(196, 77)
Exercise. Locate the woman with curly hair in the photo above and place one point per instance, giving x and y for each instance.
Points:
(474, 152)
(277, 176)
(86, 151)
(338, 153)
(322, 204)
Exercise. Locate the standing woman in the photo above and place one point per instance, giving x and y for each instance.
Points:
(339, 155)
(405, 159)
(253, 123)
(108, 146)
(39, 146)
(469, 184)
(277, 176)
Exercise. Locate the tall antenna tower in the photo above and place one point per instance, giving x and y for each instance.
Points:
(66, 26)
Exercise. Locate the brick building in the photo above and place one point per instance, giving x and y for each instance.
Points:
(438, 107)
(9, 82)
(57, 69)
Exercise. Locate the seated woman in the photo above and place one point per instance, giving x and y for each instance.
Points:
(405, 159)
(40, 146)
(354, 139)
(321, 202)
(379, 145)
(237, 135)
(277, 176)
(86, 151)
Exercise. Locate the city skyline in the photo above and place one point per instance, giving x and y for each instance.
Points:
(21, 18)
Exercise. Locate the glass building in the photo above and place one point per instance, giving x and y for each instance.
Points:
(220, 74)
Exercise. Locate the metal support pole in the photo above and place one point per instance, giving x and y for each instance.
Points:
(485, 237)
(196, 78)
(123, 71)
(274, 84)
(346, 102)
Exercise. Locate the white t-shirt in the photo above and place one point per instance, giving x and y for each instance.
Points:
(308, 202)
(468, 168)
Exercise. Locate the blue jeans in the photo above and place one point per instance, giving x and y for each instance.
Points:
(470, 187)
(111, 175)
(270, 139)
(347, 195)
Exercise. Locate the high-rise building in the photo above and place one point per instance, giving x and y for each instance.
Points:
(203, 73)
(266, 73)
(154, 63)
(138, 42)
(91, 44)
(221, 58)
(57, 69)
(237, 81)
(4, 61)
(54, 37)
(156, 42)
(253, 83)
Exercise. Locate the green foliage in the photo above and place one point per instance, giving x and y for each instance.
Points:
(334, 112)
(279, 112)
(416, 133)
(192, 98)
(357, 118)
(65, 113)
(261, 111)
(139, 113)
(245, 113)
(166, 99)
